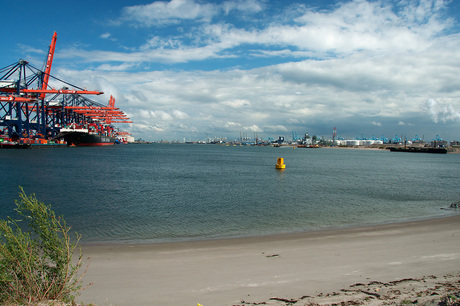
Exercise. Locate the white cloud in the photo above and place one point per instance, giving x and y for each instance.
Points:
(237, 103)
(179, 114)
(121, 67)
(232, 125)
(29, 49)
(105, 35)
(174, 11)
(285, 97)
(441, 111)
(275, 128)
(251, 6)
(163, 116)
(360, 64)
(353, 26)
(253, 128)
(347, 29)
(167, 12)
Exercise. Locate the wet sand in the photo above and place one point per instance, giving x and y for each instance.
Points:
(304, 267)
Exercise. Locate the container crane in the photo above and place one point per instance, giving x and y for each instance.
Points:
(27, 112)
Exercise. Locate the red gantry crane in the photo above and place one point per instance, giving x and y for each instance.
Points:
(40, 114)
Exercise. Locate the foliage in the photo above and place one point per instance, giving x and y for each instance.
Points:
(450, 299)
(36, 255)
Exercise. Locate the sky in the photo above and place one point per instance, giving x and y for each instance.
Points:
(198, 69)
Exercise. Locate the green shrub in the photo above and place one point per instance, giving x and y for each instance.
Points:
(36, 255)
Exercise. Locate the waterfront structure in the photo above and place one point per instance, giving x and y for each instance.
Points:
(356, 142)
(33, 113)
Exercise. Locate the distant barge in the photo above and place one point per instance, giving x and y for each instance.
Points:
(419, 150)
(14, 145)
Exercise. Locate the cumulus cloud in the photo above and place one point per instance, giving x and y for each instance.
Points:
(251, 6)
(179, 114)
(358, 65)
(366, 25)
(232, 124)
(170, 12)
(346, 28)
(164, 12)
(253, 128)
(237, 103)
(441, 111)
(275, 128)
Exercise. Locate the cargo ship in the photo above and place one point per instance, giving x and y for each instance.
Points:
(93, 135)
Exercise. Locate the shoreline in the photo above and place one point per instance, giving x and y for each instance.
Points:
(449, 213)
(256, 269)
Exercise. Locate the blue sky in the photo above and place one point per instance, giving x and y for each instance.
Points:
(194, 68)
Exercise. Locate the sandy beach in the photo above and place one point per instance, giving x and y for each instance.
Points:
(367, 264)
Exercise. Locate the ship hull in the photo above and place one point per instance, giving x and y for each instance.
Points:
(88, 140)
(14, 146)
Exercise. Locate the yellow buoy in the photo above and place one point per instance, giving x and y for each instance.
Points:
(280, 163)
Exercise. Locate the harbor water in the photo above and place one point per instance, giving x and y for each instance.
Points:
(147, 193)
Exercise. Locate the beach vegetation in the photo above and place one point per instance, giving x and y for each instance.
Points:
(406, 302)
(450, 299)
(36, 252)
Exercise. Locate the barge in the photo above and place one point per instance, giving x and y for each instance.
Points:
(419, 150)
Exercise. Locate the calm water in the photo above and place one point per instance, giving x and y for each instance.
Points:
(153, 193)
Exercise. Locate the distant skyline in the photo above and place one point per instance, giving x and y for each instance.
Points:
(191, 69)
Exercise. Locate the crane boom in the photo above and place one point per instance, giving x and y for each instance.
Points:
(15, 99)
(49, 62)
(63, 91)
